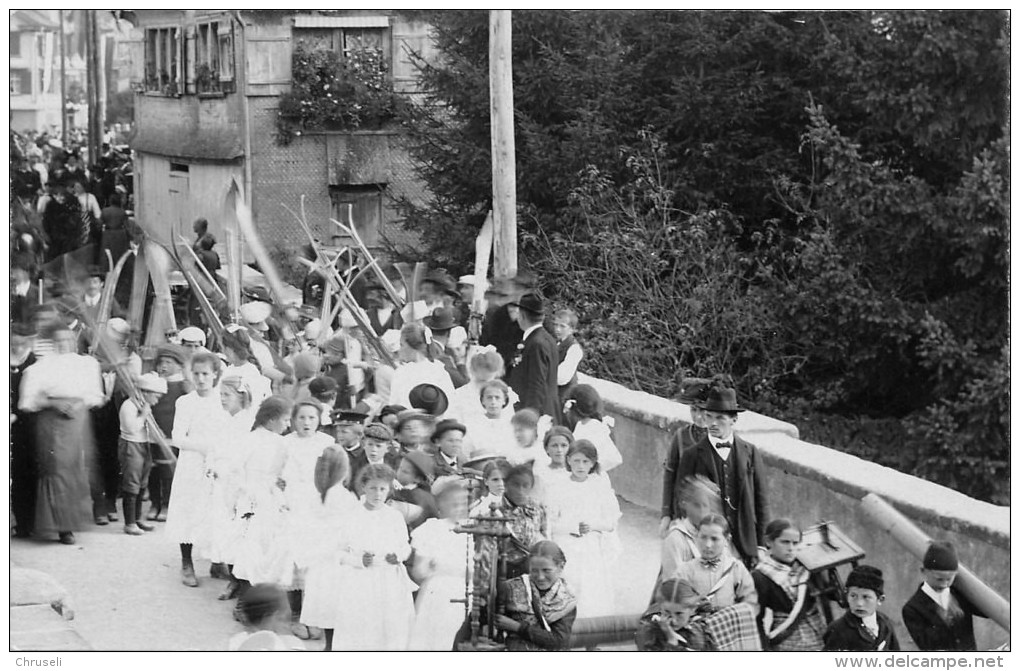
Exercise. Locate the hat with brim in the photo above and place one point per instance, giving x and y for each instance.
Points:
(423, 462)
(152, 382)
(429, 399)
(478, 461)
(192, 334)
(347, 417)
(410, 415)
(441, 319)
(447, 425)
(693, 390)
(171, 351)
(532, 303)
(322, 384)
(255, 314)
(721, 399)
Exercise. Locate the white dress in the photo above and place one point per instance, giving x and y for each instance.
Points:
(547, 478)
(198, 421)
(437, 618)
(261, 557)
(224, 473)
(589, 557)
(300, 520)
(599, 434)
(491, 437)
(409, 375)
(375, 608)
(325, 572)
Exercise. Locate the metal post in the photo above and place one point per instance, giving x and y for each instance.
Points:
(504, 169)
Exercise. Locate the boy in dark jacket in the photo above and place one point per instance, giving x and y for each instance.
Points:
(862, 627)
(938, 616)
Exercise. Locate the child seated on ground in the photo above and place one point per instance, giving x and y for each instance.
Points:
(540, 608)
(263, 610)
(862, 627)
(938, 616)
(680, 620)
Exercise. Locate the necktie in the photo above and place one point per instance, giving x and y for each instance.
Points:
(711, 564)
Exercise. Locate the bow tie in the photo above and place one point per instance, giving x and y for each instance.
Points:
(724, 446)
(711, 564)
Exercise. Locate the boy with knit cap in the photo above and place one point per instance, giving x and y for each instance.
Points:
(862, 627)
(938, 616)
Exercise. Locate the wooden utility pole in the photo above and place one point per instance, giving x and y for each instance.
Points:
(63, 80)
(504, 164)
(95, 127)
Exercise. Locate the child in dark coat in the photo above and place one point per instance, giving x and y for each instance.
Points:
(938, 616)
(862, 627)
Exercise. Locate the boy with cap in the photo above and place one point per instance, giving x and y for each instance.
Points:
(862, 627)
(447, 447)
(170, 362)
(375, 442)
(135, 451)
(192, 340)
(735, 466)
(938, 616)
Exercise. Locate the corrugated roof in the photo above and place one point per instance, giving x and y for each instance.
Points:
(306, 21)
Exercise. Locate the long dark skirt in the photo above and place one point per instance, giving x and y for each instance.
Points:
(23, 471)
(64, 448)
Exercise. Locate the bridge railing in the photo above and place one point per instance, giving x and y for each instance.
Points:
(808, 483)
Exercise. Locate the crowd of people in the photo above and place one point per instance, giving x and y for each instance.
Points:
(330, 490)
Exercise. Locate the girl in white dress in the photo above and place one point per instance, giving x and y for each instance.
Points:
(494, 474)
(552, 473)
(583, 514)
(375, 609)
(198, 421)
(484, 365)
(584, 409)
(416, 367)
(491, 433)
(240, 362)
(322, 580)
(440, 567)
(224, 471)
(261, 556)
(301, 531)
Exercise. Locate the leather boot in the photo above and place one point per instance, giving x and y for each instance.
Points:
(130, 528)
(139, 518)
(188, 573)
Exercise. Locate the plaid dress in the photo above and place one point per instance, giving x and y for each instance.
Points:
(777, 585)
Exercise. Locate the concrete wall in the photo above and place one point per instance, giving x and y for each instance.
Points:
(811, 483)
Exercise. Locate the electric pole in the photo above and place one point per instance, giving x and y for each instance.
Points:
(504, 164)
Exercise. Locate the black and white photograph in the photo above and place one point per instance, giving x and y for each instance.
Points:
(505, 330)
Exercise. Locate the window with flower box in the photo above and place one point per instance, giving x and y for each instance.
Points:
(214, 57)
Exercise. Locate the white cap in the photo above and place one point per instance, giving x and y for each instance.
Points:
(192, 334)
(152, 382)
(255, 314)
(313, 329)
(118, 327)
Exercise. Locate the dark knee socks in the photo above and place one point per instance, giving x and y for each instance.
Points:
(329, 639)
(186, 554)
(294, 597)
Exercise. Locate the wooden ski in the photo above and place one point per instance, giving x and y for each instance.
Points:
(162, 319)
(380, 275)
(483, 253)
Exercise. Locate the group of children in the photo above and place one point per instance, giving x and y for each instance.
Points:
(706, 598)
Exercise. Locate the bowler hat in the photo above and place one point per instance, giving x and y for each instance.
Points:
(447, 425)
(531, 302)
(441, 319)
(721, 399)
(693, 391)
(322, 384)
(428, 398)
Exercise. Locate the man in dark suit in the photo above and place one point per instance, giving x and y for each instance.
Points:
(938, 616)
(735, 465)
(24, 294)
(534, 376)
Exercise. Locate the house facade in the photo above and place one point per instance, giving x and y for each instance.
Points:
(208, 89)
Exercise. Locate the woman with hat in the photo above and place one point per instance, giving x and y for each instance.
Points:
(441, 323)
(734, 465)
(416, 367)
(692, 393)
